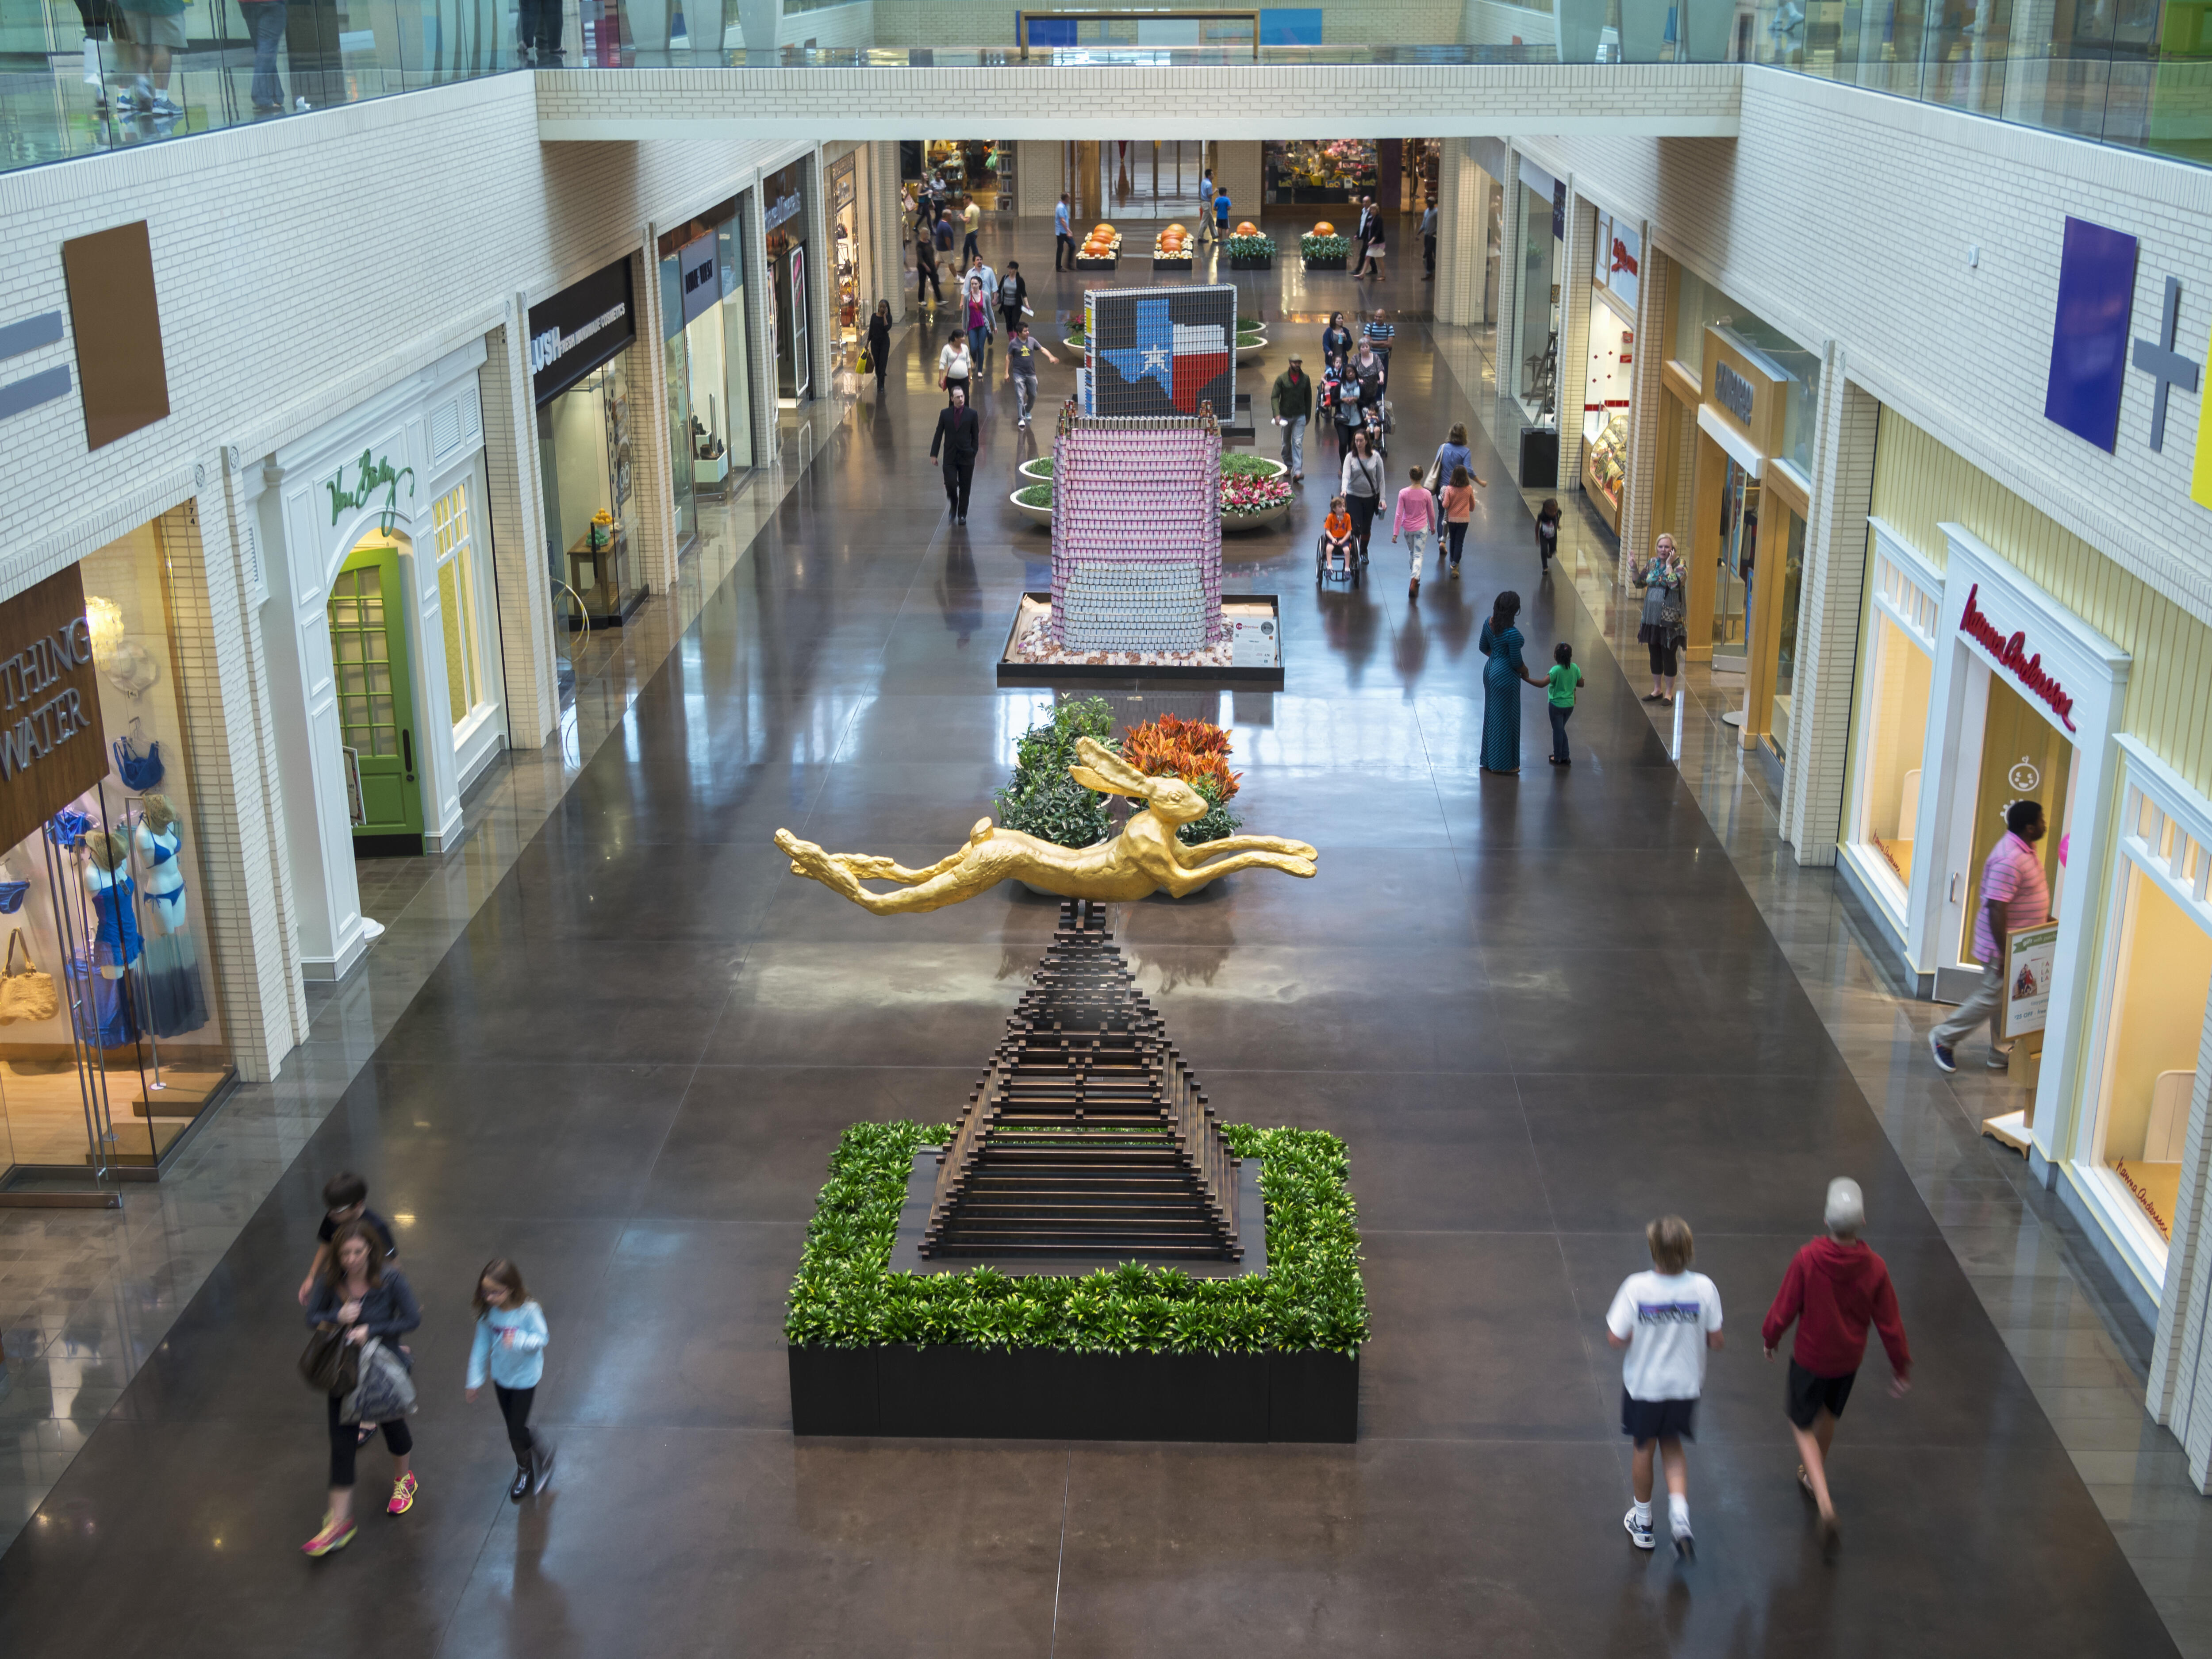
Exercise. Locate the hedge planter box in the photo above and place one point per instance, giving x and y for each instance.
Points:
(1337, 263)
(1045, 1394)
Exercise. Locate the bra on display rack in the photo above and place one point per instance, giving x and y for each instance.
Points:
(139, 772)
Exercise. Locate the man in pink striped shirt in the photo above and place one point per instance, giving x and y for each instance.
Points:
(2014, 895)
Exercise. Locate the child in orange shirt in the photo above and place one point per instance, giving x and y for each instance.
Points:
(1336, 530)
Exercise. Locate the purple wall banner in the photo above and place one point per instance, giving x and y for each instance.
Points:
(2089, 340)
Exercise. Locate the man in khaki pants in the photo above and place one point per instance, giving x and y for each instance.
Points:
(2014, 895)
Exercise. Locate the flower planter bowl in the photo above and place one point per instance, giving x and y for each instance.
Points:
(1232, 523)
(1249, 354)
(1034, 514)
(1029, 470)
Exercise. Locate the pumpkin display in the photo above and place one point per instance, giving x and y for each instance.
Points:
(1322, 227)
(1178, 231)
(1248, 228)
(1102, 228)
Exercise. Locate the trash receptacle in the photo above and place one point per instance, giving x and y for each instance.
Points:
(1540, 458)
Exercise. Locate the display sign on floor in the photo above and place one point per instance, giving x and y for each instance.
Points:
(2030, 955)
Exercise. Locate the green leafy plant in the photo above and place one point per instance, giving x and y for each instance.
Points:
(1311, 247)
(1250, 248)
(1041, 798)
(1311, 1296)
(1035, 495)
(1234, 465)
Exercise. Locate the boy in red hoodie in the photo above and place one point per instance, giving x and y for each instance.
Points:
(1835, 1287)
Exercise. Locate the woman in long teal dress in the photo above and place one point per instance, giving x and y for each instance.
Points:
(1501, 694)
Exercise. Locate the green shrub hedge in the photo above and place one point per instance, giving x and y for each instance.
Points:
(1312, 1296)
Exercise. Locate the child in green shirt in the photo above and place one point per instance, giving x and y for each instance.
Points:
(1559, 693)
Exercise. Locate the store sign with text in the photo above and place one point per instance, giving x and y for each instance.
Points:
(2012, 655)
(51, 748)
(1732, 391)
(580, 328)
(2031, 958)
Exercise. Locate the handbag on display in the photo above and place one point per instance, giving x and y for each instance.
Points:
(25, 993)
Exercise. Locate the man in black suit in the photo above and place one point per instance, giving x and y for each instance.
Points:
(960, 435)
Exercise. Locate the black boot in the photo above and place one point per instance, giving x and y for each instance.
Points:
(521, 1489)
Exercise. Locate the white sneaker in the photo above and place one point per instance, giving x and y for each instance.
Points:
(1686, 1547)
(301, 105)
(1639, 1532)
(162, 106)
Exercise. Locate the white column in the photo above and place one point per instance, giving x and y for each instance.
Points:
(224, 703)
(650, 480)
(1655, 295)
(1573, 381)
(1507, 419)
(520, 560)
(1829, 599)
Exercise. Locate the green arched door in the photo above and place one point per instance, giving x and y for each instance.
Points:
(376, 715)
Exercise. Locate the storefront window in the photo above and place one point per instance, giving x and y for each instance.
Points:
(461, 604)
(1739, 501)
(1540, 306)
(708, 358)
(1605, 402)
(783, 217)
(591, 507)
(845, 244)
(1785, 636)
(1892, 737)
(110, 1039)
(1699, 305)
(1321, 171)
(2157, 980)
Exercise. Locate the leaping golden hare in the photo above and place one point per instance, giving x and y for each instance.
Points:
(1145, 857)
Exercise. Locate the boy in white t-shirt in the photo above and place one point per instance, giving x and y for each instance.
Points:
(1667, 1320)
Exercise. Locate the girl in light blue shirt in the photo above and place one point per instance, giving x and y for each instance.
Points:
(510, 1342)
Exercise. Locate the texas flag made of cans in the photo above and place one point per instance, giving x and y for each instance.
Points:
(1162, 350)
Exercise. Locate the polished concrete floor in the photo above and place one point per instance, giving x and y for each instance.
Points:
(1539, 1010)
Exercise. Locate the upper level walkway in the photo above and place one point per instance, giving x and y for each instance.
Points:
(882, 68)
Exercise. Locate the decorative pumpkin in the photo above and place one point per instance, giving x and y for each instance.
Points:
(1178, 230)
(1248, 228)
(1322, 227)
(1102, 228)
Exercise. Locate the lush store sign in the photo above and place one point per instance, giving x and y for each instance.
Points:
(2011, 653)
(50, 745)
(580, 328)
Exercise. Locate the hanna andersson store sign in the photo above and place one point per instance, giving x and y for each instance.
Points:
(2011, 654)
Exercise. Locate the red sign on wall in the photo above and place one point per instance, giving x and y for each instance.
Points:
(2012, 656)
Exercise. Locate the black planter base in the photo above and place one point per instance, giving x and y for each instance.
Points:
(1235, 263)
(1095, 264)
(1336, 264)
(1170, 264)
(1042, 1393)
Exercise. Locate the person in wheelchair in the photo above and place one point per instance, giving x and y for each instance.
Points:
(1337, 540)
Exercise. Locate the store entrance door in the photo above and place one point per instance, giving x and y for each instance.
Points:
(2024, 758)
(1738, 549)
(376, 714)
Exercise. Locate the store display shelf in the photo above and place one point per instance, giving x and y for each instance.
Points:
(1043, 1393)
(1259, 613)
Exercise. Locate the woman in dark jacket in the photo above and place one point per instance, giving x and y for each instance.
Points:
(1335, 341)
(365, 1298)
(879, 345)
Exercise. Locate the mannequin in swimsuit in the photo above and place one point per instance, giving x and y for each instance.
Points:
(107, 879)
(158, 836)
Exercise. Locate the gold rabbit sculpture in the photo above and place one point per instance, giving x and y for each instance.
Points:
(1145, 856)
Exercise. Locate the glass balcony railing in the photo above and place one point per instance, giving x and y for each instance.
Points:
(90, 77)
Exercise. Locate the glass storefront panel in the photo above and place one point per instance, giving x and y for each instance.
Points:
(111, 1040)
(2159, 976)
(1892, 738)
(1740, 495)
(1699, 305)
(1323, 172)
(463, 590)
(1537, 384)
(1606, 386)
(846, 183)
(591, 506)
(1785, 639)
(784, 216)
(707, 361)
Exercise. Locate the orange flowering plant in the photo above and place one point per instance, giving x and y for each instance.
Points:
(1197, 751)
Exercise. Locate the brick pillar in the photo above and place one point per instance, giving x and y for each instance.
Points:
(820, 277)
(1574, 335)
(215, 636)
(521, 565)
(1654, 296)
(1460, 253)
(652, 482)
(758, 328)
(1828, 614)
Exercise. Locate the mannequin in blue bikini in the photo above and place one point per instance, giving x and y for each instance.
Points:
(158, 836)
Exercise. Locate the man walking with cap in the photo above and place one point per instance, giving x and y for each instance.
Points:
(1836, 1286)
(2014, 894)
(1292, 400)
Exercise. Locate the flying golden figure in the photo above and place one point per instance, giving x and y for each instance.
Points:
(1145, 856)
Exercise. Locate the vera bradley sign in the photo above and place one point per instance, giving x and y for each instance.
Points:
(2012, 655)
(51, 749)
